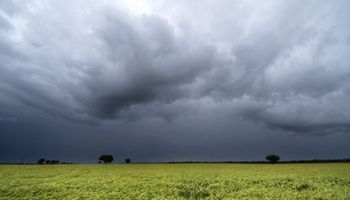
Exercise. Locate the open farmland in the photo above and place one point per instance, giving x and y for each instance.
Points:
(176, 181)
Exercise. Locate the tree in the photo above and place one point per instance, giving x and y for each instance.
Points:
(54, 162)
(272, 158)
(127, 161)
(48, 161)
(41, 161)
(106, 158)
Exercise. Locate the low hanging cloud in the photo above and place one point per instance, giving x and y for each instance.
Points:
(281, 63)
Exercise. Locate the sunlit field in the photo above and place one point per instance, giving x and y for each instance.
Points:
(176, 181)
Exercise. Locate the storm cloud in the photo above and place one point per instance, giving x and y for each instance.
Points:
(282, 66)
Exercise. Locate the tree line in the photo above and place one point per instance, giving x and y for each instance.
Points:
(42, 161)
(271, 158)
(107, 159)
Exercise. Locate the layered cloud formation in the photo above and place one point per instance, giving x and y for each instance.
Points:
(284, 64)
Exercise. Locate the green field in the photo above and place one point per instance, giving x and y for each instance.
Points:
(176, 181)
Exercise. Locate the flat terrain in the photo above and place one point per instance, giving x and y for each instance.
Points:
(176, 181)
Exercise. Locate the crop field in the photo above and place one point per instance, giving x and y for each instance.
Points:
(176, 181)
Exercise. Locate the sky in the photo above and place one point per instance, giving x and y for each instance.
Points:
(162, 80)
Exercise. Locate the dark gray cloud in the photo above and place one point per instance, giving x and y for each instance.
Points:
(278, 66)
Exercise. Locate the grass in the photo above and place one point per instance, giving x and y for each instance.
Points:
(176, 181)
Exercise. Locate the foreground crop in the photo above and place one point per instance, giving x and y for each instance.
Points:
(176, 181)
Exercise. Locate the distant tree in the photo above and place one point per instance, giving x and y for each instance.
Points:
(48, 161)
(106, 158)
(54, 162)
(127, 161)
(41, 161)
(272, 158)
(99, 162)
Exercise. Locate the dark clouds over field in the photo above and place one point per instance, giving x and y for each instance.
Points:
(174, 80)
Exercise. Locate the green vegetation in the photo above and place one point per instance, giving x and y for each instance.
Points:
(176, 181)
